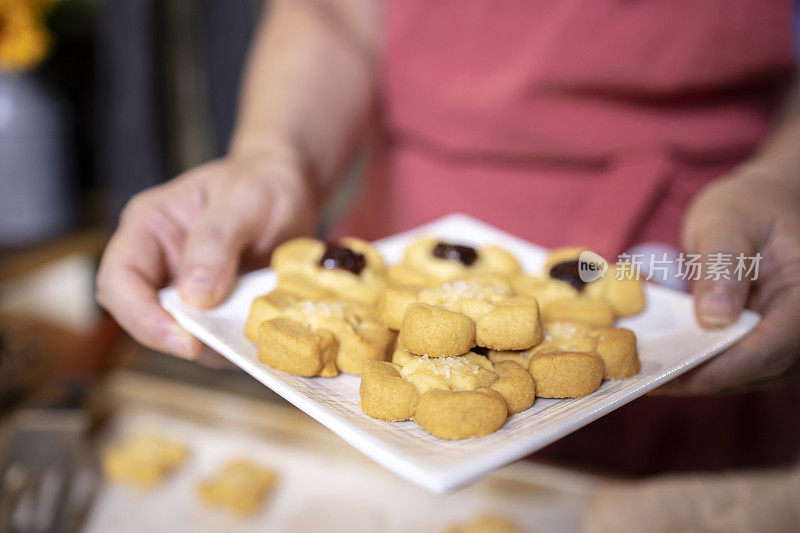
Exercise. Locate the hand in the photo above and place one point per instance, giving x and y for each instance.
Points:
(197, 230)
(747, 213)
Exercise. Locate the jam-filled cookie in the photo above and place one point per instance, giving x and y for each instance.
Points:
(350, 269)
(449, 318)
(623, 292)
(449, 397)
(615, 346)
(315, 337)
(563, 295)
(431, 260)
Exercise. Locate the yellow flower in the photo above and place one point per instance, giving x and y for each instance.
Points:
(24, 39)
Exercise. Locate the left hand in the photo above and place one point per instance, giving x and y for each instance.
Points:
(747, 212)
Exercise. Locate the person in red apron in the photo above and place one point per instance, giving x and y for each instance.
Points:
(604, 123)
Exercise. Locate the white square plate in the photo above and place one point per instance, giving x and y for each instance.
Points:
(670, 343)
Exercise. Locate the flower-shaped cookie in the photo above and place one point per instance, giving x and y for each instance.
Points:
(558, 300)
(350, 269)
(563, 295)
(449, 397)
(143, 459)
(315, 337)
(430, 260)
(575, 357)
(449, 318)
(241, 487)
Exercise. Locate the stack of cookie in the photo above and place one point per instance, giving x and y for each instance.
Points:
(471, 338)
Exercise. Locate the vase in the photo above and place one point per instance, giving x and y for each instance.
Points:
(36, 161)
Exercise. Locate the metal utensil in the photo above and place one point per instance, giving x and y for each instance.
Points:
(49, 474)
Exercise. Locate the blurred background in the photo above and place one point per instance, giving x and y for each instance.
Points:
(100, 99)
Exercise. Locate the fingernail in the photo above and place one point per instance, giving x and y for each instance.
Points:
(180, 343)
(197, 286)
(716, 309)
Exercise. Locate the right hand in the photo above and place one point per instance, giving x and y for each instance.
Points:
(197, 230)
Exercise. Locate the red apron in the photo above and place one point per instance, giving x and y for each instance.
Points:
(589, 122)
(570, 121)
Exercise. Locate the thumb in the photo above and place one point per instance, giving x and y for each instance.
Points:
(720, 290)
(211, 255)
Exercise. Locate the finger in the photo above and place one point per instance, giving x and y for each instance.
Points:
(126, 287)
(764, 354)
(169, 235)
(214, 245)
(136, 308)
(719, 298)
